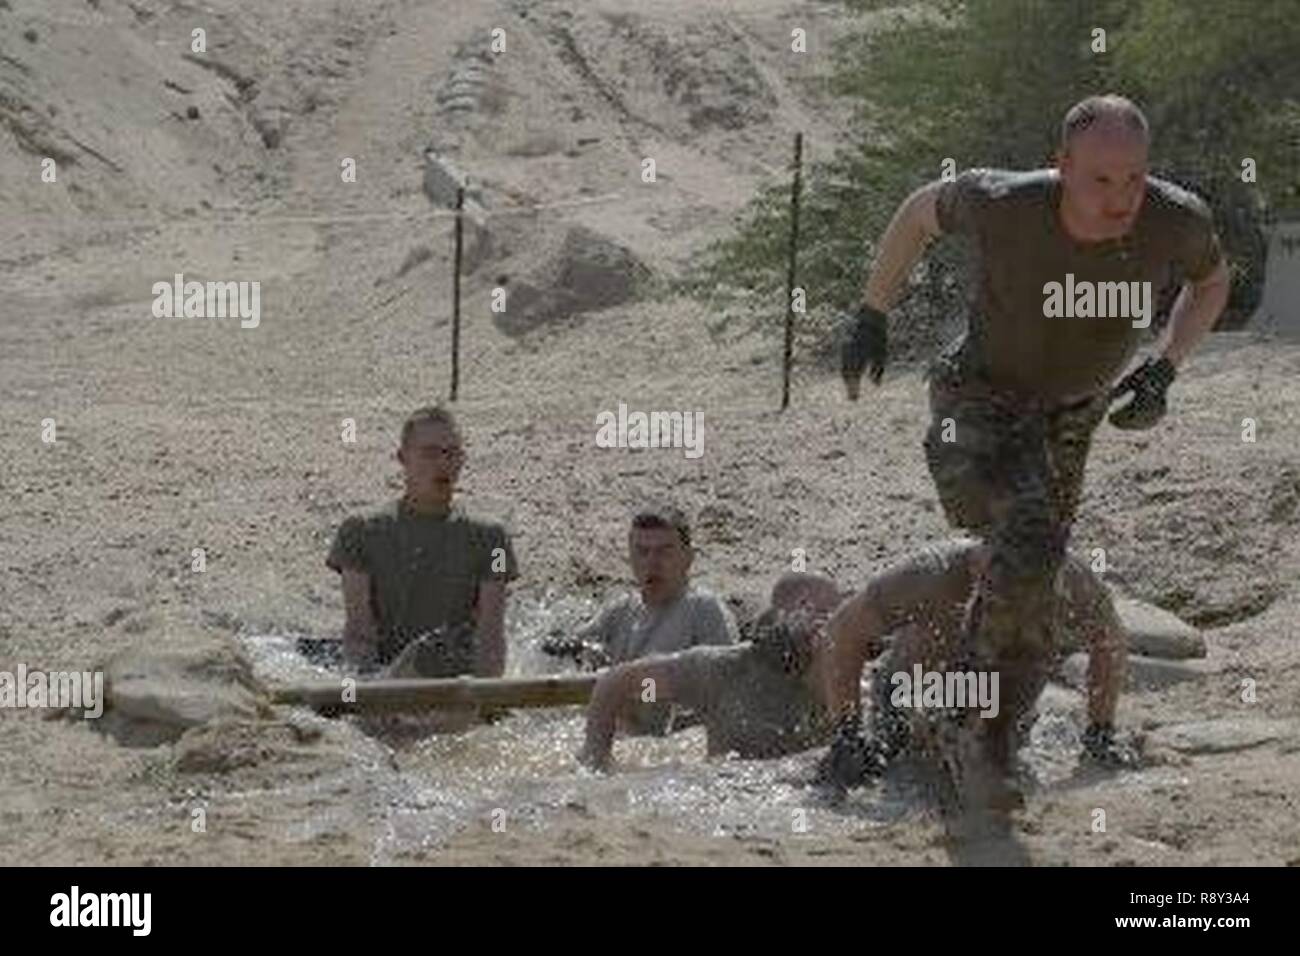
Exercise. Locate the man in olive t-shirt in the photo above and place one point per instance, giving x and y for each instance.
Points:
(420, 570)
(1015, 402)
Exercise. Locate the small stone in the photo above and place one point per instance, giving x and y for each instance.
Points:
(1143, 673)
(1223, 736)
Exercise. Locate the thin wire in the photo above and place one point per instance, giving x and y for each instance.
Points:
(232, 217)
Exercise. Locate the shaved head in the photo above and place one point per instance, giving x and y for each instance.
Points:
(1111, 115)
(1102, 162)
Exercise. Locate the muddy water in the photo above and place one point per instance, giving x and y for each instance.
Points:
(522, 770)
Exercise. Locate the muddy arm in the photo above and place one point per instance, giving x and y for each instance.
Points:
(624, 687)
(490, 629)
(1093, 613)
(914, 225)
(360, 634)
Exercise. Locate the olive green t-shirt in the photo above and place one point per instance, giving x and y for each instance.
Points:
(425, 572)
(1021, 246)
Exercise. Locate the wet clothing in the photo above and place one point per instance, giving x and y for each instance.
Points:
(1020, 246)
(1021, 393)
(628, 630)
(930, 634)
(1012, 474)
(425, 572)
(747, 705)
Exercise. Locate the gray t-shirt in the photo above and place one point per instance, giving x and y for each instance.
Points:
(629, 630)
(747, 705)
(1020, 246)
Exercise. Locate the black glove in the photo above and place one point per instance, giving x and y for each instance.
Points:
(1101, 747)
(867, 342)
(852, 757)
(558, 645)
(583, 653)
(1148, 383)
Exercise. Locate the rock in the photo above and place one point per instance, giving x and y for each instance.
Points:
(176, 677)
(1155, 632)
(441, 180)
(1223, 736)
(587, 272)
(229, 745)
(1060, 699)
(1144, 673)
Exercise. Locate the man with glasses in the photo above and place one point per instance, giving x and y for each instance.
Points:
(424, 584)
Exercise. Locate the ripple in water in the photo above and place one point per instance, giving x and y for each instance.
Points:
(525, 764)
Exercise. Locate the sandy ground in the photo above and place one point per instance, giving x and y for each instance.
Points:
(175, 434)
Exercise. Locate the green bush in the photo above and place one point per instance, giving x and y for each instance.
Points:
(985, 83)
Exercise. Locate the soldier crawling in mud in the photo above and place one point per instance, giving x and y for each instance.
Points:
(424, 585)
(782, 691)
(1023, 393)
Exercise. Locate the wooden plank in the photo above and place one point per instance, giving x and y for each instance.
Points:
(412, 694)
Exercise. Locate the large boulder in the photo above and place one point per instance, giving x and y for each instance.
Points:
(585, 273)
(1143, 673)
(1155, 632)
(1150, 631)
(174, 677)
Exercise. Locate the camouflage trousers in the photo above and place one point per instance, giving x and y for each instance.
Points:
(1010, 470)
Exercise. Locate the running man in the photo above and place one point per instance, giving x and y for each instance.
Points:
(1016, 399)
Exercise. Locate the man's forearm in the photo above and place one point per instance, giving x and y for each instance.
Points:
(490, 630)
(854, 633)
(1194, 313)
(360, 642)
(610, 697)
(490, 660)
(900, 248)
(1106, 665)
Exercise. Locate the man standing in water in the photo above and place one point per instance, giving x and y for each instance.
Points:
(1015, 402)
(421, 579)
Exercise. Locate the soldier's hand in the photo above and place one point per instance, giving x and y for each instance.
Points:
(851, 758)
(594, 758)
(867, 344)
(561, 645)
(584, 653)
(1101, 748)
(1148, 384)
